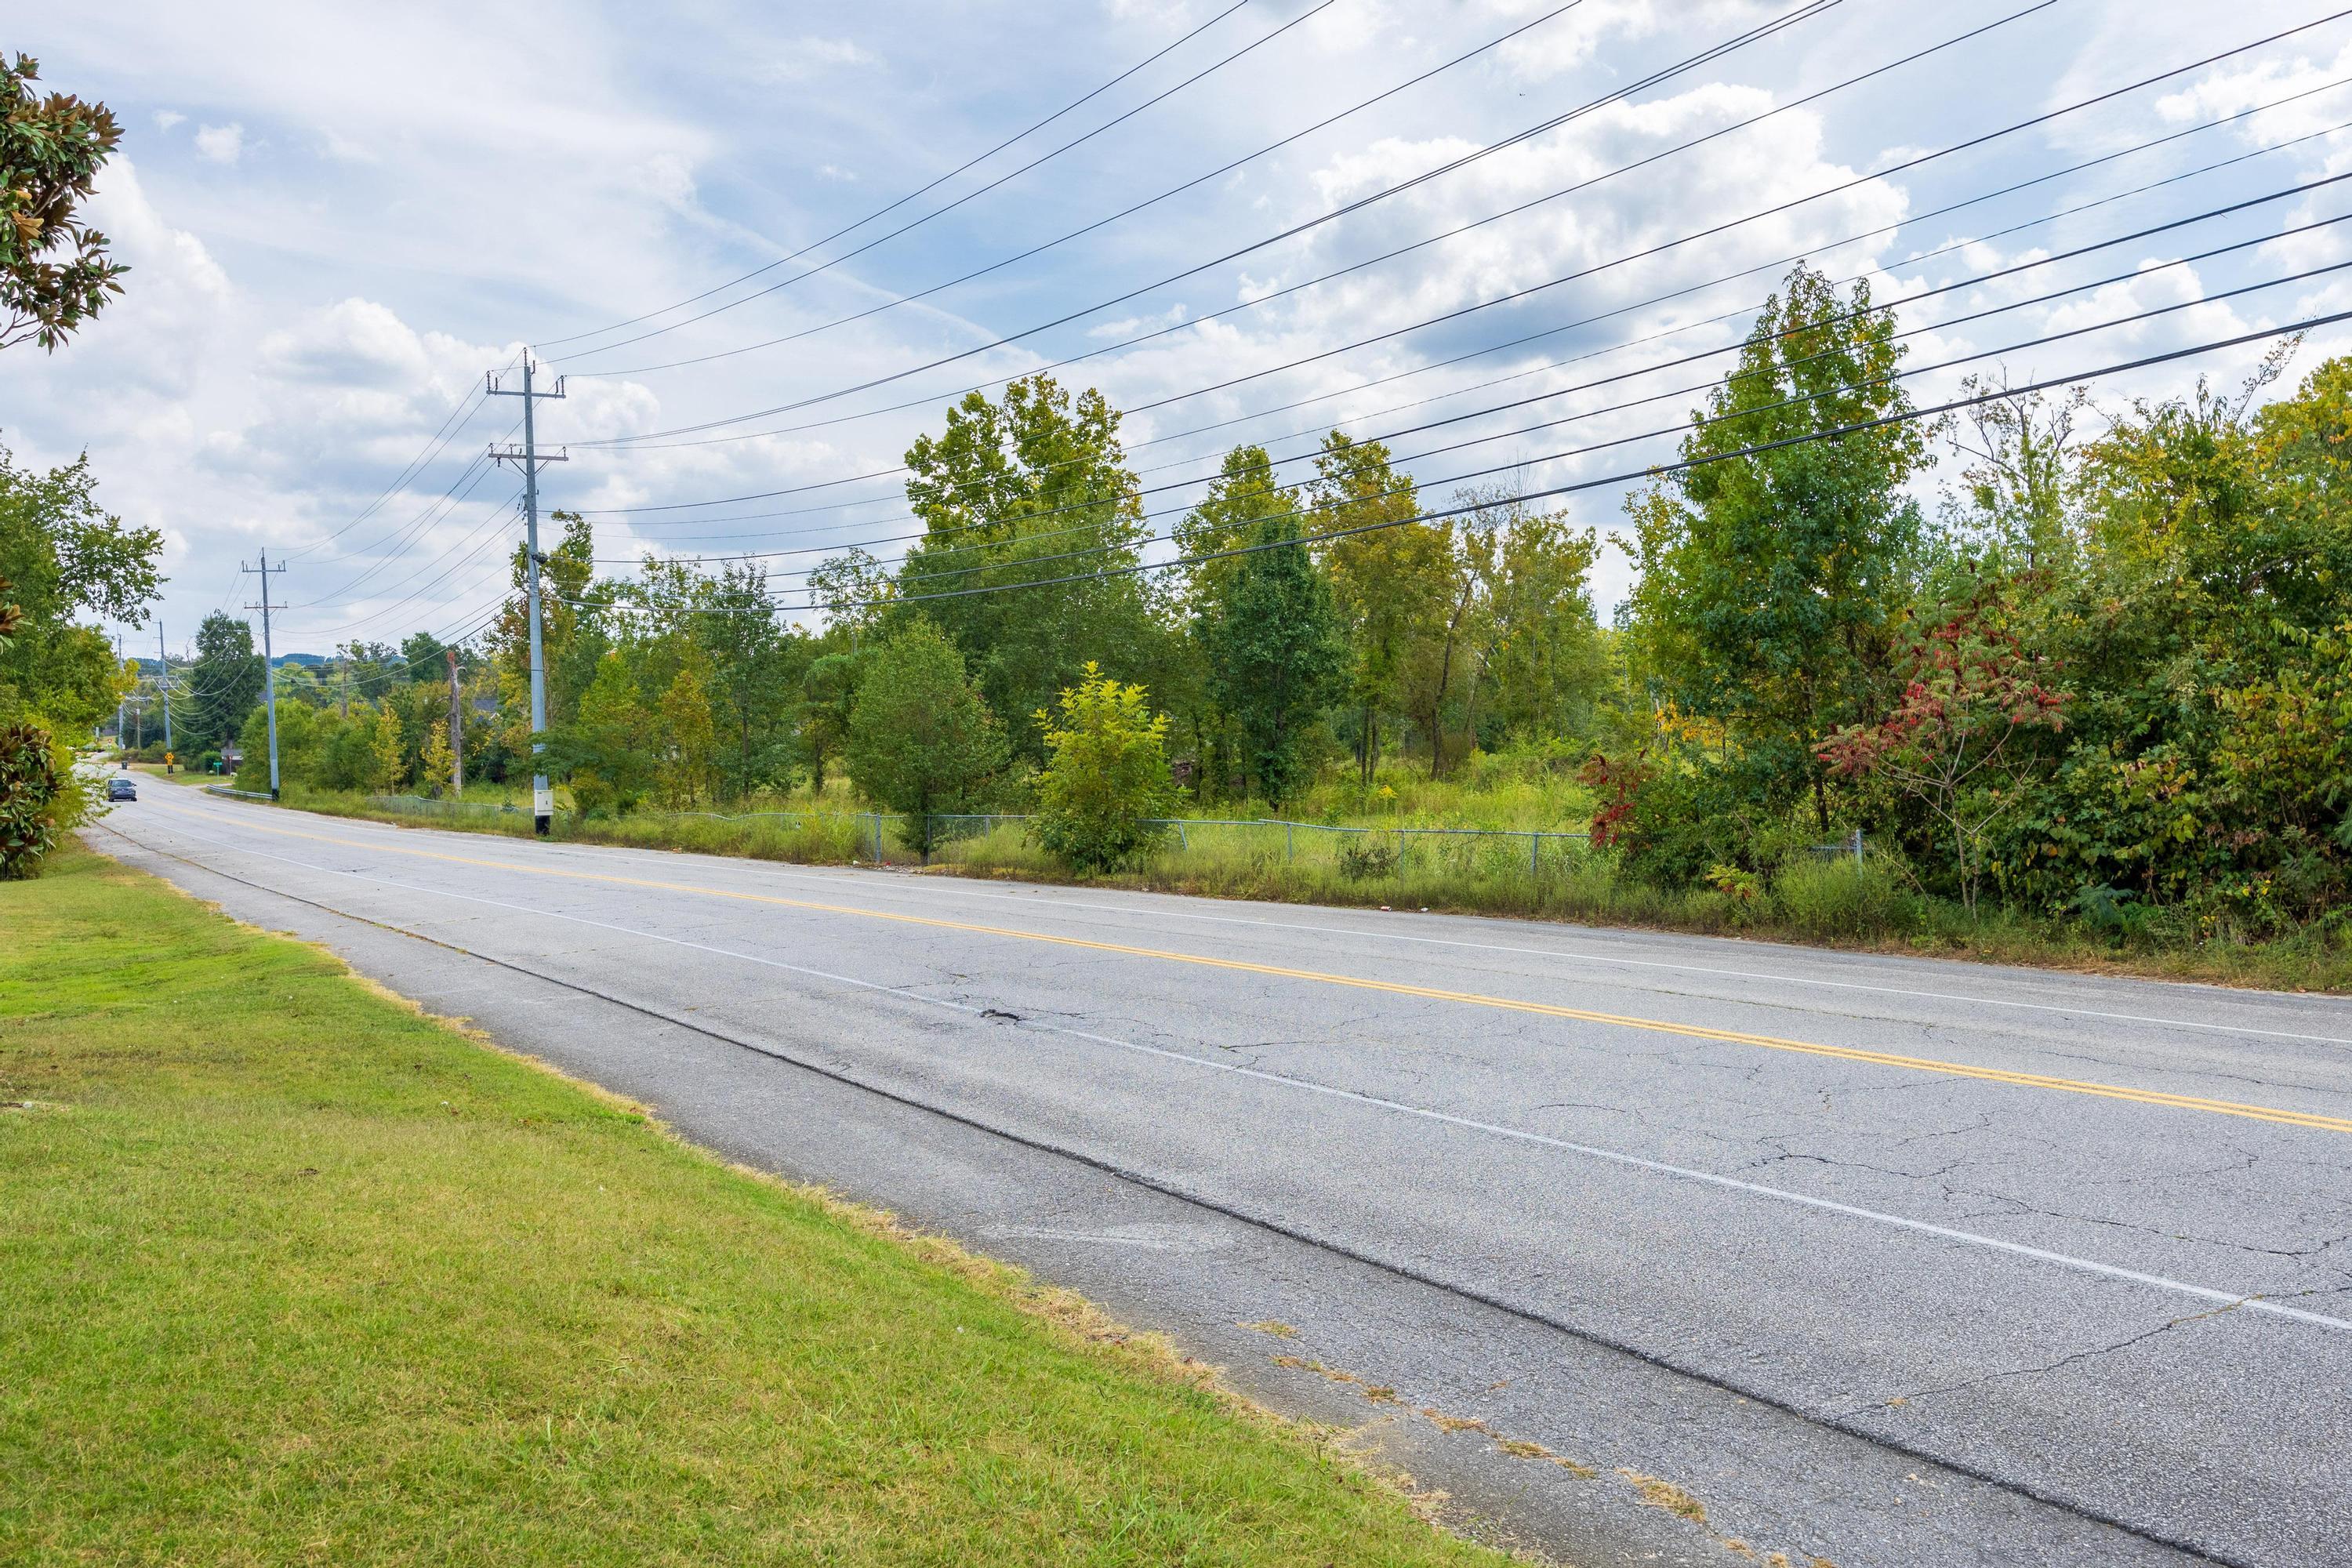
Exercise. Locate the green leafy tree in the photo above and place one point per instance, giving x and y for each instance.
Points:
(1031, 488)
(1105, 777)
(54, 271)
(607, 749)
(921, 738)
(387, 770)
(66, 556)
(1542, 667)
(1771, 583)
(1390, 581)
(224, 684)
(572, 638)
(829, 696)
(438, 773)
(690, 766)
(1277, 658)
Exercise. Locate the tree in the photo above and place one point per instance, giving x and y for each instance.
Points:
(1971, 690)
(921, 738)
(1031, 489)
(386, 769)
(67, 556)
(1388, 581)
(224, 683)
(421, 658)
(439, 762)
(1107, 773)
(606, 750)
(828, 697)
(1277, 657)
(1541, 663)
(851, 588)
(54, 271)
(689, 771)
(1771, 581)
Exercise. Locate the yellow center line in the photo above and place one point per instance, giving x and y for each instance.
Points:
(1392, 988)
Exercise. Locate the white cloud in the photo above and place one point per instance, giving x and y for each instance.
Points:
(803, 59)
(220, 143)
(165, 119)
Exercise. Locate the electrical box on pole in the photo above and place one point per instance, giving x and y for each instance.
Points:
(269, 667)
(530, 458)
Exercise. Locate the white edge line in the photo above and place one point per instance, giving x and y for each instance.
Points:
(2226, 1299)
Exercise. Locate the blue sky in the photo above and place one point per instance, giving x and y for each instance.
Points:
(340, 216)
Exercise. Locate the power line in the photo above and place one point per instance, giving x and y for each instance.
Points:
(883, 239)
(1914, 259)
(911, 196)
(1804, 12)
(1129, 211)
(1653, 471)
(1976, 282)
(2150, 314)
(1712, 230)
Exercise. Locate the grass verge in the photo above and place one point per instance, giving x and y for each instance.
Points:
(293, 1273)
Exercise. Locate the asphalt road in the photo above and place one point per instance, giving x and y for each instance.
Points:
(1879, 1261)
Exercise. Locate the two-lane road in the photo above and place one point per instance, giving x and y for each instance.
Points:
(1884, 1261)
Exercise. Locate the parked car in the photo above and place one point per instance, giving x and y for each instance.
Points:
(121, 787)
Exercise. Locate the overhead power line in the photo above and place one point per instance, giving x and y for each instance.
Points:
(1122, 214)
(884, 239)
(1635, 475)
(1710, 231)
(2144, 232)
(1712, 52)
(916, 193)
(1836, 318)
(1949, 248)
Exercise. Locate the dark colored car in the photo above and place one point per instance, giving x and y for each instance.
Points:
(121, 787)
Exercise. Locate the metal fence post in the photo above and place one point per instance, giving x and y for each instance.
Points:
(1290, 841)
(1857, 846)
(1535, 843)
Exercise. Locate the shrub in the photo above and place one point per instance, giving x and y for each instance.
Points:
(1106, 774)
(1364, 856)
(38, 796)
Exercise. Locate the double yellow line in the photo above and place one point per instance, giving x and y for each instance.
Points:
(1395, 988)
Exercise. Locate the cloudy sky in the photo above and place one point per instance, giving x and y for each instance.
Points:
(339, 218)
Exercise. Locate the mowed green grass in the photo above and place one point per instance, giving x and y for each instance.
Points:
(289, 1273)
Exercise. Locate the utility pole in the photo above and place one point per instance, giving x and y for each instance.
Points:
(457, 730)
(164, 658)
(118, 702)
(542, 799)
(269, 670)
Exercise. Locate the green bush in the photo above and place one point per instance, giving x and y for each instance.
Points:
(38, 796)
(1105, 777)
